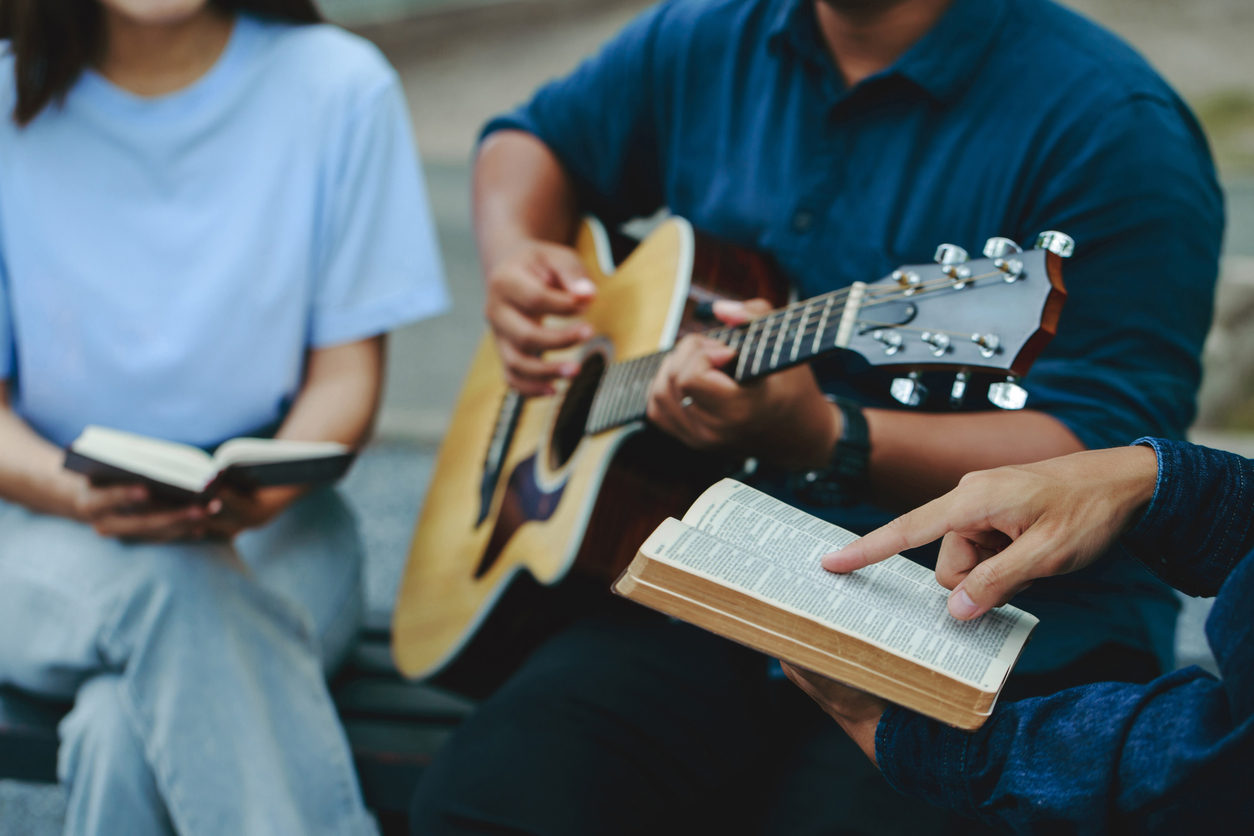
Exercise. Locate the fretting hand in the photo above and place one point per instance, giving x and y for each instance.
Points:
(783, 417)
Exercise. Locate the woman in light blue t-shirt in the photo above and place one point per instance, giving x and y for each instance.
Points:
(210, 215)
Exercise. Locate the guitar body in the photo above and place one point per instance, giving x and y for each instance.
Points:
(499, 534)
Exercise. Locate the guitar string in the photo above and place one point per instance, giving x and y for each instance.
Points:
(629, 394)
(880, 296)
(640, 371)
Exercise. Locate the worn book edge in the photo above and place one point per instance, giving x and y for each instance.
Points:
(833, 652)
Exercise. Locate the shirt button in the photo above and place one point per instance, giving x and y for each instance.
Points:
(802, 220)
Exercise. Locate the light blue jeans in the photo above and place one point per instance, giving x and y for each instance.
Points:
(196, 670)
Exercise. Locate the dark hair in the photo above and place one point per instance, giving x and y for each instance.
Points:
(53, 40)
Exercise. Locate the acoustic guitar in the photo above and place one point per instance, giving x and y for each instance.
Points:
(529, 494)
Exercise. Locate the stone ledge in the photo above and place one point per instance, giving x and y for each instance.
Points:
(1227, 393)
(441, 24)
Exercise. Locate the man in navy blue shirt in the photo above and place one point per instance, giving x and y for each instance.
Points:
(842, 138)
(1170, 756)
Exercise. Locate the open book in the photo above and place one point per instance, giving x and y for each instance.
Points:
(183, 473)
(746, 566)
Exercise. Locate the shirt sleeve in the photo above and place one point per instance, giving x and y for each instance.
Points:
(379, 264)
(1135, 187)
(1117, 757)
(606, 141)
(1104, 758)
(1197, 525)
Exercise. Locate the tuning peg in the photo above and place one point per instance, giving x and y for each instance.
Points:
(908, 279)
(950, 254)
(891, 340)
(1007, 394)
(1058, 243)
(939, 343)
(908, 390)
(989, 344)
(959, 390)
(1000, 248)
(952, 260)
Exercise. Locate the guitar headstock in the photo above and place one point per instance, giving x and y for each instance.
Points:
(992, 314)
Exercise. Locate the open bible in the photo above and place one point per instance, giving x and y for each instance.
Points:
(746, 566)
(183, 473)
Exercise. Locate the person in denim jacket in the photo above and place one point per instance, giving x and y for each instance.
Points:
(1109, 757)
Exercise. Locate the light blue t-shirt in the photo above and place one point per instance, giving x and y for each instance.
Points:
(165, 263)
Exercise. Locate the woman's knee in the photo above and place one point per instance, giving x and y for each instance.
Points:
(99, 732)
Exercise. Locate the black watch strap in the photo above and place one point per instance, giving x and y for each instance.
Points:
(847, 475)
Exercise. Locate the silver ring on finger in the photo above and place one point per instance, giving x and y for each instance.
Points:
(685, 402)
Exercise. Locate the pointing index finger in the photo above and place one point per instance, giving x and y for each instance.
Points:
(918, 527)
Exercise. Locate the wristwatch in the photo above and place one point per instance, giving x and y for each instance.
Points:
(846, 477)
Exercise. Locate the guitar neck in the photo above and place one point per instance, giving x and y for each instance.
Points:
(788, 337)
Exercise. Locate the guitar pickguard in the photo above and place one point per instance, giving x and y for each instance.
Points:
(524, 501)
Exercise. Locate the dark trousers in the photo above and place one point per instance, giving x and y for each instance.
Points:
(629, 723)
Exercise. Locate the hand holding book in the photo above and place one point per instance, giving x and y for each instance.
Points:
(1002, 529)
(185, 474)
(149, 489)
(746, 566)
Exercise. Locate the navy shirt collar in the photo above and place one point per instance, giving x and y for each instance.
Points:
(941, 64)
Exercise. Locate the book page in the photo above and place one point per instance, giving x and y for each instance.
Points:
(751, 541)
(165, 461)
(262, 450)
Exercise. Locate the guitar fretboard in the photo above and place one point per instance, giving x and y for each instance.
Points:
(779, 340)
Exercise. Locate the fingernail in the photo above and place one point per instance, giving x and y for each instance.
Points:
(961, 606)
(568, 369)
(585, 332)
(214, 507)
(583, 287)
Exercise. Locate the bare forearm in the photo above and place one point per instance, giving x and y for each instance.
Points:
(340, 396)
(31, 472)
(916, 457)
(337, 402)
(521, 193)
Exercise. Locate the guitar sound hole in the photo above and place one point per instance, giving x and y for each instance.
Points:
(572, 417)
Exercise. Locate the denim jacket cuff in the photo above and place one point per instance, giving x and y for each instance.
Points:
(1181, 537)
(924, 759)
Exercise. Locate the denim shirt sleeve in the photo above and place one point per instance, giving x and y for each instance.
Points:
(1109, 757)
(1169, 755)
(1135, 187)
(1199, 522)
